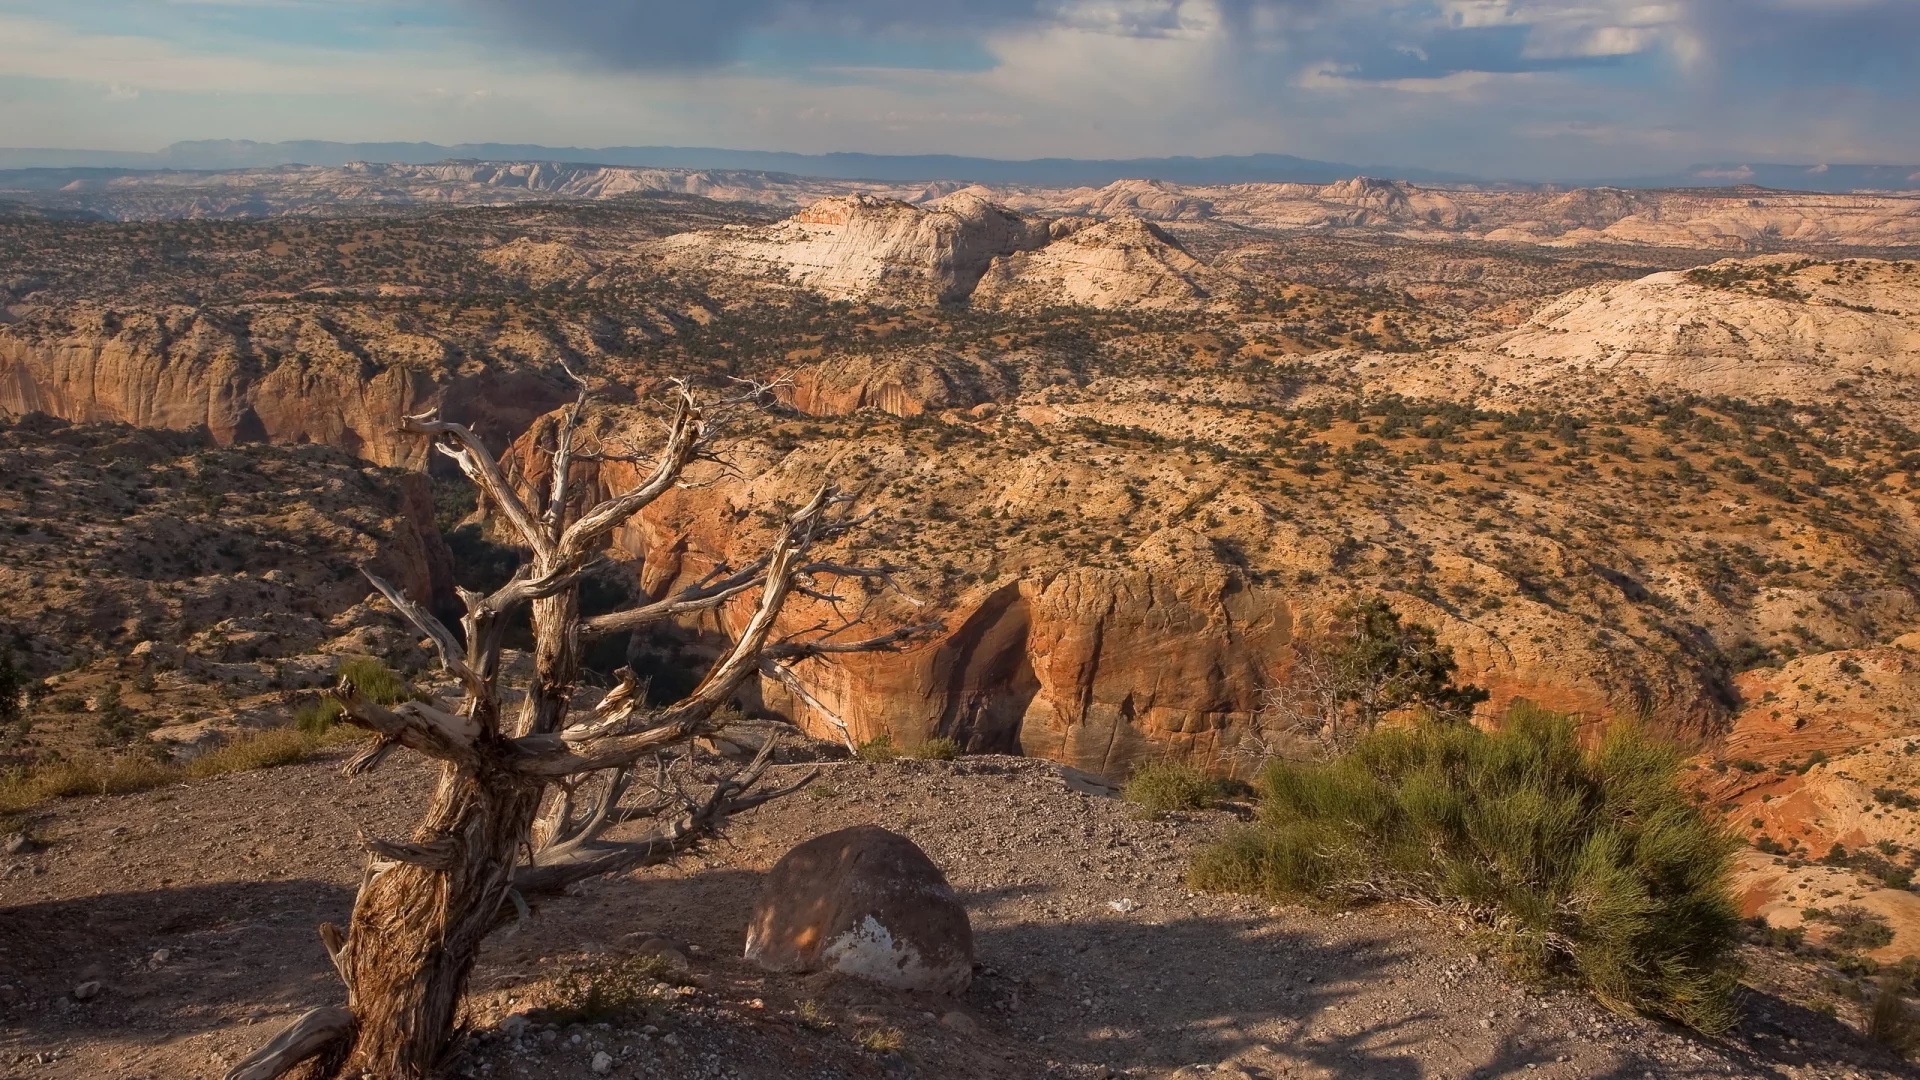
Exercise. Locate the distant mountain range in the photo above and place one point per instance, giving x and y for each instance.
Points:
(221, 154)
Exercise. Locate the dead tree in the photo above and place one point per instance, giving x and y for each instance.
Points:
(485, 843)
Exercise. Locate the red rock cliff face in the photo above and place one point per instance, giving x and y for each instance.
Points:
(286, 379)
(1103, 668)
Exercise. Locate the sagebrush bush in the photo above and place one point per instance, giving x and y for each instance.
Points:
(128, 773)
(380, 683)
(1158, 787)
(878, 748)
(938, 748)
(376, 680)
(264, 750)
(1587, 861)
(317, 715)
(606, 990)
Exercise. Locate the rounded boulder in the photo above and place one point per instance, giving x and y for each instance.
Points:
(864, 902)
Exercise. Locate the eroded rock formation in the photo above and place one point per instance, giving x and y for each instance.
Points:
(283, 378)
(862, 246)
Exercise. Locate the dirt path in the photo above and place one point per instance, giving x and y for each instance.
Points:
(194, 908)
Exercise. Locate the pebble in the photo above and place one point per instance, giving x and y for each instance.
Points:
(86, 991)
(602, 1063)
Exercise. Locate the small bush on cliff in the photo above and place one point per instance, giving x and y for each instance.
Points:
(1159, 787)
(938, 748)
(1590, 862)
(1366, 665)
(878, 748)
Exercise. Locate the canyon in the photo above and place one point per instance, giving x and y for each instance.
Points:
(1123, 532)
(1130, 447)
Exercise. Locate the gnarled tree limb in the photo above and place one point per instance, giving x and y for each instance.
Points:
(413, 725)
(306, 1037)
(460, 444)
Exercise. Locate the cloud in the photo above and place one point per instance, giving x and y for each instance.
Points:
(1529, 88)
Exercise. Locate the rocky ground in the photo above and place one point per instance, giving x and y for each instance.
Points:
(167, 934)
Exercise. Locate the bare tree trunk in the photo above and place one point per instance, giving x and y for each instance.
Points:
(425, 905)
(422, 926)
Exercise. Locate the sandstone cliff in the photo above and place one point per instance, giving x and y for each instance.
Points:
(282, 378)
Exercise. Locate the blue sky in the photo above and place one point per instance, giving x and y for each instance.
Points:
(1523, 88)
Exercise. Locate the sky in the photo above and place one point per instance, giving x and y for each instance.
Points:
(1527, 89)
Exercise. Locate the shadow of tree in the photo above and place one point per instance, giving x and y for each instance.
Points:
(248, 944)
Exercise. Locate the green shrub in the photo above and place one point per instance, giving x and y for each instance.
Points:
(1158, 787)
(380, 683)
(1592, 862)
(938, 748)
(1854, 927)
(316, 715)
(878, 748)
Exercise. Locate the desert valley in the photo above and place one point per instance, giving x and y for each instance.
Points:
(1115, 463)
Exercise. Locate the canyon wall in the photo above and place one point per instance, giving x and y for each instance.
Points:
(281, 379)
(1101, 668)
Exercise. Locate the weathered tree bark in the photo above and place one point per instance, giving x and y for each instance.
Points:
(425, 905)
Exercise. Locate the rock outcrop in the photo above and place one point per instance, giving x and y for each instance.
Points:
(1122, 263)
(904, 383)
(1776, 327)
(864, 902)
(860, 247)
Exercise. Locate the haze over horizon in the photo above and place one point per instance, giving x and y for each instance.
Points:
(1511, 89)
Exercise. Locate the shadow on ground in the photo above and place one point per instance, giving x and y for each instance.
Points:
(229, 949)
(1119, 991)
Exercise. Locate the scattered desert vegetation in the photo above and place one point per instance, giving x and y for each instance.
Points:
(1281, 505)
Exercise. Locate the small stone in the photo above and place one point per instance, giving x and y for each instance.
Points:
(602, 1063)
(670, 1039)
(514, 1026)
(161, 956)
(87, 991)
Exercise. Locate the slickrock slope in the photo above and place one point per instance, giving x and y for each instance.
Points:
(1779, 326)
(861, 247)
(1125, 262)
(1819, 771)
